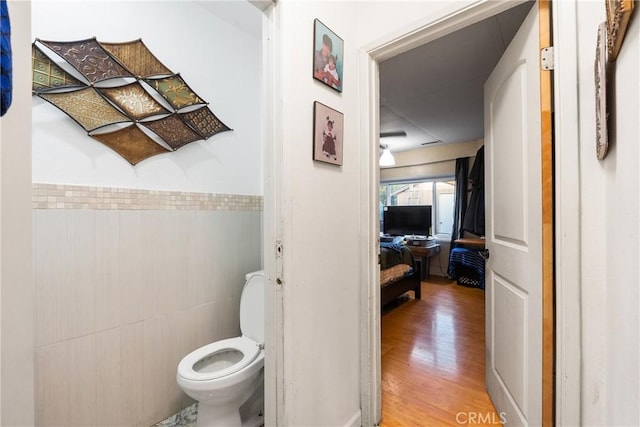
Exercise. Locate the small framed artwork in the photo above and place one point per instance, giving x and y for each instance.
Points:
(328, 131)
(618, 14)
(600, 76)
(328, 56)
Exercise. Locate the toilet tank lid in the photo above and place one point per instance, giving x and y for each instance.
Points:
(249, 275)
(252, 307)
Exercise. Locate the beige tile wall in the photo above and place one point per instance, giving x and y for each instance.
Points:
(60, 196)
(123, 294)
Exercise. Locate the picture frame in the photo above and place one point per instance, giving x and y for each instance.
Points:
(328, 56)
(328, 134)
(600, 78)
(618, 15)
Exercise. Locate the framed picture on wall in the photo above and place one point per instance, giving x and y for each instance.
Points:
(328, 132)
(328, 56)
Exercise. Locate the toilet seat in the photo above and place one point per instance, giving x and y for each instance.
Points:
(246, 346)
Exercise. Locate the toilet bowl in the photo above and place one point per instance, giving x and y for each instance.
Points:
(226, 377)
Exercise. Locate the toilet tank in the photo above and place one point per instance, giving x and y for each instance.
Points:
(252, 307)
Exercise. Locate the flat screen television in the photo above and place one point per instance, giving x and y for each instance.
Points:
(407, 220)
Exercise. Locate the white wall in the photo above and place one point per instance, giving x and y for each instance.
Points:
(382, 20)
(216, 48)
(610, 220)
(320, 220)
(16, 276)
(429, 162)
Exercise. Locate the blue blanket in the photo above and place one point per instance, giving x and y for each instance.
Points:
(5, 59)
(467, 266)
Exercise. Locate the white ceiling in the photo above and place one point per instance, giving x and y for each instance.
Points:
(435, 92)
(239, 13)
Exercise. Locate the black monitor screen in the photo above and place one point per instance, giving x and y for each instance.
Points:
(407, 220)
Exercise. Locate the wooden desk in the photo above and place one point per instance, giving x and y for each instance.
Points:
(467, 241)
(423, 253)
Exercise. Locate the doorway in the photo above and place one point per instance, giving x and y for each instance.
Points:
(437, 31)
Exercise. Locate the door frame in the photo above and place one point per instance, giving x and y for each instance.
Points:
(272, 227)
(567, 201)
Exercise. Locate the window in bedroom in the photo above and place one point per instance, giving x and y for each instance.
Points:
(439, 194)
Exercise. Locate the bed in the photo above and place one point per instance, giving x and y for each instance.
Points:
(398, 272)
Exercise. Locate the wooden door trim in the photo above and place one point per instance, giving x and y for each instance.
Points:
(548, 273)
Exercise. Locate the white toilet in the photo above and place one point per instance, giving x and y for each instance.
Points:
(226, 377)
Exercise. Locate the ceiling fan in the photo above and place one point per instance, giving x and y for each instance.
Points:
(393, 133)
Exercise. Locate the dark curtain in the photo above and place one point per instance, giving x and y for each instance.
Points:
(460, 199)
(474, 218)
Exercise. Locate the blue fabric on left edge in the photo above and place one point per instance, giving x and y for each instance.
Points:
(5, 59)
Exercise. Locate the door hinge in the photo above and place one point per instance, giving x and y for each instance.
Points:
(547, 62)
(279, 252)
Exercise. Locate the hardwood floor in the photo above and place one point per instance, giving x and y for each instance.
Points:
(433, 359)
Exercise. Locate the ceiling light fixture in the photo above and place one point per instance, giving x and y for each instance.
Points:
(386, 159)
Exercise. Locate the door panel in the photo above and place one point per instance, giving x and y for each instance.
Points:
(514, 231)
(510, 345)
(509, 168)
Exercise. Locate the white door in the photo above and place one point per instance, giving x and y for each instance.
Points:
(514, 230)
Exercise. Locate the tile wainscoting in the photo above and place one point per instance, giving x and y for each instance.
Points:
(127, 283)
(59, 196)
